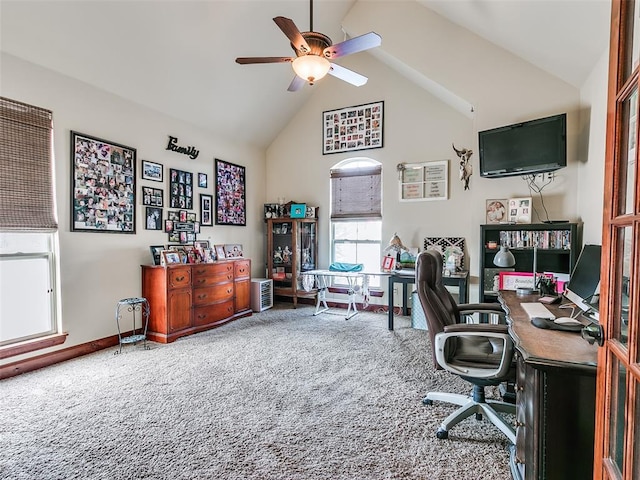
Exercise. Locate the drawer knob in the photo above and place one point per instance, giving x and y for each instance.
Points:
(229, 290)
(179, 279)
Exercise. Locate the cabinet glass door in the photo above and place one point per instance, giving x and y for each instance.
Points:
(305, 242)
(282, 253)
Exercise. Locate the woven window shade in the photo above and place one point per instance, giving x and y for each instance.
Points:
(26, 168)
(356, 193)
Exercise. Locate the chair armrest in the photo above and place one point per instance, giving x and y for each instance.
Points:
(468, 309)
(492, 333)
(481, 306)
(476, 327)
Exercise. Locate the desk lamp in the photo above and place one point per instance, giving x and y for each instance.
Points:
(504, 258)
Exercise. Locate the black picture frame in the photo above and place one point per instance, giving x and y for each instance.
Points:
(103, 185)
(180, 189)
(353, 128)
(152, 197)
(151, 171)
(206, 210)
(203, 181)
(153, 219)
(230, 194)
(156, 253)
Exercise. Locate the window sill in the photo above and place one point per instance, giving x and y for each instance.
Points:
(32, 345)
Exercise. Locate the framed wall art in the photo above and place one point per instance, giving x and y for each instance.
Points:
(154, 218)
(103, 185)
(424, 181)
(230, 194)
(151, 171)
(352, 128)
(202, 180)
(181, 189)
(206, 207)
(152, 196)
(520, 210)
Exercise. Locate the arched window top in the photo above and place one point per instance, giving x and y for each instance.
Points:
(355, 162)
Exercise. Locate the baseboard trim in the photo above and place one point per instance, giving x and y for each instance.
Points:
(41, 361)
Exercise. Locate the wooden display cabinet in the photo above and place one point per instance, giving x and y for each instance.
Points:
(292, 248)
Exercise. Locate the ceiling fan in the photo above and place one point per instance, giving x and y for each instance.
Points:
(313, 52)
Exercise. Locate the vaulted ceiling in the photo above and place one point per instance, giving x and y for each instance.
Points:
(177, 57)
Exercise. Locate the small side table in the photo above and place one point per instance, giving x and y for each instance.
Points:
(138, 334)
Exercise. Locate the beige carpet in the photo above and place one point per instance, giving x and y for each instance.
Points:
(279, 395)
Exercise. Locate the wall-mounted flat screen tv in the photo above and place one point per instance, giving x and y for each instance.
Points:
(536, 146)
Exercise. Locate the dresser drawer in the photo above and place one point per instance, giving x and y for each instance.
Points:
(213, 279)
(179, 277)
(209, 269)
(242, 269)
(207, 295)
(212, 313)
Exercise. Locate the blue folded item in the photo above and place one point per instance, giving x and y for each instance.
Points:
(346, 267)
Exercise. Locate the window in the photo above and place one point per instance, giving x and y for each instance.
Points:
(27, 279)
(356, 214)
(28, 225)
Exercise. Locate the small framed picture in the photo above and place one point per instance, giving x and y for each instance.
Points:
(171, 257)
(154, 218)
(152, 196)
(388, 263)
(201, 244)
(168, 226)
(220, 253)
(496, 211)
(202, 180)
(298, 210)
(520, 210)
(151, 171)
(233, 251)
(206, 205)
(156, 253)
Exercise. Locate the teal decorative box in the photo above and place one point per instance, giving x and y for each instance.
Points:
(418, 320)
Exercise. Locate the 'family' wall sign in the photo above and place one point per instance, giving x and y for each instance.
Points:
(191, 151)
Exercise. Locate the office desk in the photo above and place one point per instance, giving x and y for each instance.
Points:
(555, 397)
(405, 277)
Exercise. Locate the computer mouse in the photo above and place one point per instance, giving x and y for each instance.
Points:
(567, 321)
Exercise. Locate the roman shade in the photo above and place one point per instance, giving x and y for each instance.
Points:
(356, 193)
(27, 201)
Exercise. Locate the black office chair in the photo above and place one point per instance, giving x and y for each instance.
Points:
(480, 353)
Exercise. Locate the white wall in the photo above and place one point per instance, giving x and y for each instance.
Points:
(98, 269)
(418, 126)
(593, 125)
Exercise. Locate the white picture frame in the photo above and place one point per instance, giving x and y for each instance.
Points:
(423, 182)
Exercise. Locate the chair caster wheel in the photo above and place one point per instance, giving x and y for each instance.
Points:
(427, 401)
(442, 434)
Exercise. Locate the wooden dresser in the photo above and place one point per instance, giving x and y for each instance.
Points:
(186, 299)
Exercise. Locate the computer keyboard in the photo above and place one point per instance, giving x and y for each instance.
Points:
(535, 309)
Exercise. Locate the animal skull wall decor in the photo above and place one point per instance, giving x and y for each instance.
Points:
(466, 169)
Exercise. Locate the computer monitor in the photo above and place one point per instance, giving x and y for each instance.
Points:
(584, 284)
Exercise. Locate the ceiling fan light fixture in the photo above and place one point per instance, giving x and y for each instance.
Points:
(311, 67)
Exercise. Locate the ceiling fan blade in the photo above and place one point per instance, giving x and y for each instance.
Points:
(296, 84)
(293, 33)
(353, 45)
(347, 75)
(248, 60)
